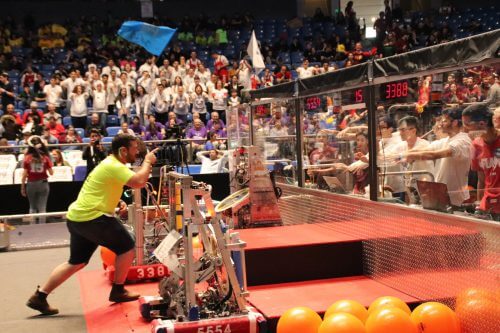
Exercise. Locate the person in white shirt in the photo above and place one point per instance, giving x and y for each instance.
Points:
(100, 102)
(142, 104)
(199, 99)
(325, 68)
(189, 78)
(131, 73)
(124, 82)
(166, 67)
(305, 71)
(176, 70)
(180, 104)
(161, 102)
(408, 128)
(123, 105)
(214, 162)
(53, 93)
(196, 82)
(455, 157)
(203, 73)
(78, 110)
(244, 73)
(219, 99)
(125, 130)
(70, 83)
(92, 70)
(150, 67)
(110, 67)
(147, 82)
(111, 92)
(389, 142)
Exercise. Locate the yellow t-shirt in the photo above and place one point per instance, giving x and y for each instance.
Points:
(101, 191)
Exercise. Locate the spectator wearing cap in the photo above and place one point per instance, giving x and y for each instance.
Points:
(33, 111)
(6, 91)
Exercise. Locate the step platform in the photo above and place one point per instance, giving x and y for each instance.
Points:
(330, 250)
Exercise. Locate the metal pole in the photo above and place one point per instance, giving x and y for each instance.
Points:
(299, 145)
(250, 120)
(372, 133)
(138, 227)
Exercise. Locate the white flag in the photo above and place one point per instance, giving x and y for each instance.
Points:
(254, 53)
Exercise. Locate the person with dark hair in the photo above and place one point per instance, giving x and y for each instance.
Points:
(94, 153)
(37, 167)
(91, 222)
(6, 91)
(478, 121)
(455, 157)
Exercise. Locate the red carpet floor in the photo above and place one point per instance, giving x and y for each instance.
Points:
(103, 316)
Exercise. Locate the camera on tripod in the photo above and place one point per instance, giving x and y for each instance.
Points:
(174, 132)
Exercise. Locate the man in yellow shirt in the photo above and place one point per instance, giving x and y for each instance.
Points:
(91, 222)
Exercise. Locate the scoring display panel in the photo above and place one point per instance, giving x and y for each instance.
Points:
(394, 91)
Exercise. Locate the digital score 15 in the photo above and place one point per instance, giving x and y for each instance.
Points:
(388, 91)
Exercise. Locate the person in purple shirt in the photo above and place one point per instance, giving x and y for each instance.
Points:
(138, 129)
(218, 130)
(154, 130)
(172, 115)
(215, 117)
(198, 132)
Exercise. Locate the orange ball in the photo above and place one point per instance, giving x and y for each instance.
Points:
(478, 315)
(388, 301)
(433, 317)
(348, 306)
(108, 257)
(299, 319)
(389, 320)
(341, 323)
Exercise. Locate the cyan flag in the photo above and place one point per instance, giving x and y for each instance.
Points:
(154, 39)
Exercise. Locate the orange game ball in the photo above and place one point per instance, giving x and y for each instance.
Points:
(388, 301)
(389, 320)
(341, 323)
(108, 257)
(348, 306)
(478, 315)
(300, 319)
(434, 317)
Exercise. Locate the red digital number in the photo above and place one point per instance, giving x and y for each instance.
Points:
(358, 96)
(387, 91)
(398, 89)
(405, 89)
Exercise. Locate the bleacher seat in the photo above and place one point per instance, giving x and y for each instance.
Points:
(113, 130)
(18, 174)
(7, 176)
(66, 121)
(112, 120)
(85, 140)
(8, 161)
(80, 131)
(61, 174)
(80, 173)
(107, 139)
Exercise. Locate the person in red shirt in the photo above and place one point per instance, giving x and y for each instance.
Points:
(37, 167)
(56, 130)
(33, 110)
(284, 75)
(220, 65)
(478, 122)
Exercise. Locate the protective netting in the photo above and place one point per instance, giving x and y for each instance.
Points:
(427, 255)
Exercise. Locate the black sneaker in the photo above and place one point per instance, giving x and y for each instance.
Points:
(38, 301)
(120, 296)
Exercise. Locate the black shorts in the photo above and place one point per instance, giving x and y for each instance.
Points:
(105, 231)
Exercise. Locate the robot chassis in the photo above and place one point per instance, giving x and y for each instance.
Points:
(203, 292)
